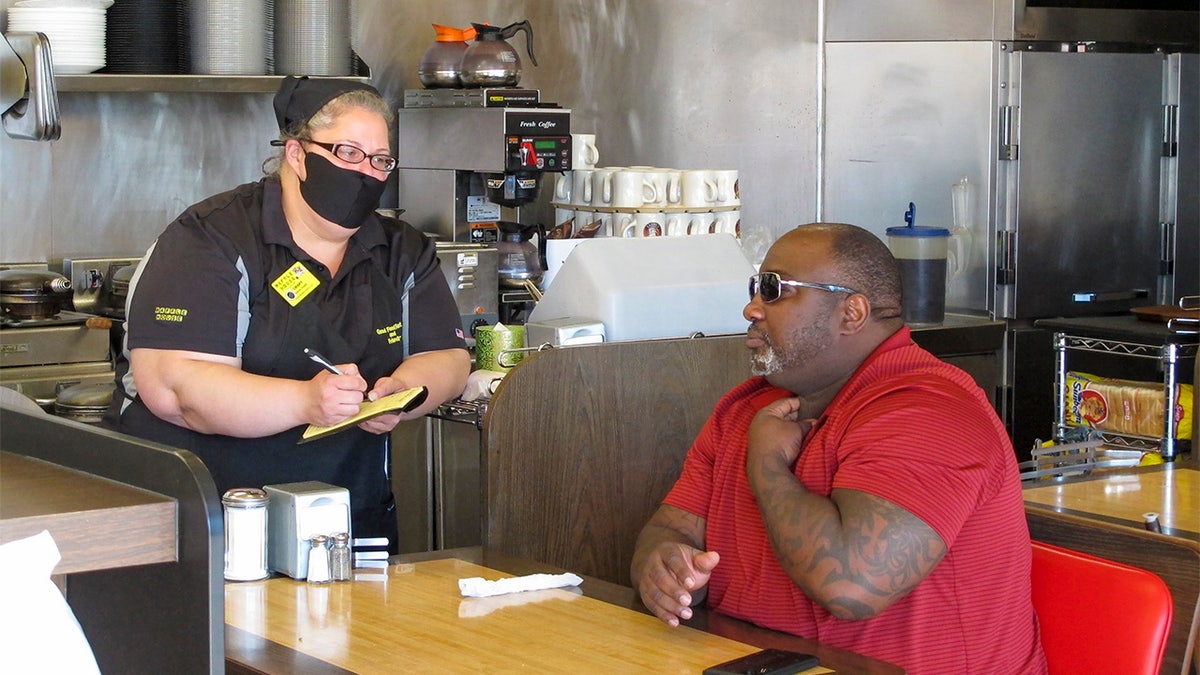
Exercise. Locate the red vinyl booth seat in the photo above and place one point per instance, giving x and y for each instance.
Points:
(1098, 616)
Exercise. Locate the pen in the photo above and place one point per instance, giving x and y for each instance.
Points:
(315, 356)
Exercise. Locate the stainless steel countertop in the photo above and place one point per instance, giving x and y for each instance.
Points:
(962, 334)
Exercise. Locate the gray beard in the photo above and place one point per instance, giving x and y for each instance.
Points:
(766, 361)
(804, 345)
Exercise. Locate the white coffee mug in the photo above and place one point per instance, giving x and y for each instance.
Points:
(581, 186)
(633, 189)
(728, 192)
(602, 185)
(675, 224)
(584, 154)
(728, 222)
(674, 186)
(644, 224)
(666, 186)
(698, 188)
(562, 187)
(701, 223)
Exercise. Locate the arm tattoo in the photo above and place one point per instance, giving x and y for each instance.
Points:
(855, 554)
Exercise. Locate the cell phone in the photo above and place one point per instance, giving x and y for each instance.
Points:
(766, 662)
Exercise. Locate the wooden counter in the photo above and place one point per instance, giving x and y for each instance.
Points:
(1171, 491)
(96, 523)
(412, 618)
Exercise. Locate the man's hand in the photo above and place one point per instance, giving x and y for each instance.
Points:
(670, 571)
(669, 577)
(776, 436)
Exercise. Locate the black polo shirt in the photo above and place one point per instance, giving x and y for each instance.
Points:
(226, 278)
(205, 286)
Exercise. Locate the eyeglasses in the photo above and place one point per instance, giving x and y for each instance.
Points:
(770, 286)
(353, 155)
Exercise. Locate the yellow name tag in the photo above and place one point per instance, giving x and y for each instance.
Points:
(295, 284)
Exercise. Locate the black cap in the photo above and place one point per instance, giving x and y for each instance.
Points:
(299, 98)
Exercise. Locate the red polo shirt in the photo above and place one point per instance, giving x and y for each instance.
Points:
(917, 432)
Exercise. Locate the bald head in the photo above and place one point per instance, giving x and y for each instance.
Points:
(860, 260)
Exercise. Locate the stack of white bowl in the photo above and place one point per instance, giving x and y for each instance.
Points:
(75, 29)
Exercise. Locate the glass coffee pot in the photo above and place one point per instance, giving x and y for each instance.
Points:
(520, 258)
(490, 61)
(440, 64)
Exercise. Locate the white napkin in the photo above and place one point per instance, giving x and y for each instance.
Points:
(478, 587)
(473, 608)
(38, 630)
(481, 384)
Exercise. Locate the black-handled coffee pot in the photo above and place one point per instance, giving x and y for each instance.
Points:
(490, 61)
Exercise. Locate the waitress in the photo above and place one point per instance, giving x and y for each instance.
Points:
(230, 295)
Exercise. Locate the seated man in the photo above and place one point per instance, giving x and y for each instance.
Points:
(858, 491)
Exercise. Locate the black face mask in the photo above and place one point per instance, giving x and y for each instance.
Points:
(339, 195)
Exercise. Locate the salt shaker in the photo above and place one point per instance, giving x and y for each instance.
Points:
(318, 559)
(245, 534)
(339, 557)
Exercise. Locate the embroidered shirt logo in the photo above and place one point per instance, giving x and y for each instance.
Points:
(170, 314)
(392, 332)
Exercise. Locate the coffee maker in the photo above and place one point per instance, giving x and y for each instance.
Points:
(469, 159)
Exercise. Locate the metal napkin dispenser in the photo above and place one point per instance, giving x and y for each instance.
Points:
(563, 332)
(295, 512)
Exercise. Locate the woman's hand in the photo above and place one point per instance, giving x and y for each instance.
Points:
(335, 397)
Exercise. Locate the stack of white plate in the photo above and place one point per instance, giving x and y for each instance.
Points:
(75, 29)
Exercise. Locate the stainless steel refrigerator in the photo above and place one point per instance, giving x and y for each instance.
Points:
(1079, 141)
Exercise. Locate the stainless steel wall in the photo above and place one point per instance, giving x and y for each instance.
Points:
(916, 121)
(681, 83)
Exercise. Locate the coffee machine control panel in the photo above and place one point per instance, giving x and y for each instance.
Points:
(538, 153)
(537, 140)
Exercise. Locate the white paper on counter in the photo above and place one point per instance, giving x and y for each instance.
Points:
(473, 608)
(38, 630)
(478, 587)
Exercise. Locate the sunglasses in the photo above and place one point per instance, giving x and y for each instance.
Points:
(770, 286)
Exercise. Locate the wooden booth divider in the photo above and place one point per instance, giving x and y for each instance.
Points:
(582, 443)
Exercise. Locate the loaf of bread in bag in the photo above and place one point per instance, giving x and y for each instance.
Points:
(1126, 406)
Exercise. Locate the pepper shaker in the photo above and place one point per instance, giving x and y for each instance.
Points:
(245, 534)
(339, 557)
(318, 559)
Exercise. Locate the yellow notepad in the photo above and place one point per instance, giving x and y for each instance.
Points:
(398, 401)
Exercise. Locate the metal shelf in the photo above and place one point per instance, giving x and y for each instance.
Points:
(1166, 351)
(205, 84)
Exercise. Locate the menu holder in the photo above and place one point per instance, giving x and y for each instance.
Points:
(401, 401)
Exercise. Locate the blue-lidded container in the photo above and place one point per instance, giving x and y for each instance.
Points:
(921, 252)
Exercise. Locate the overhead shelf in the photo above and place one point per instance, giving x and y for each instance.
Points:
(212, 84)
